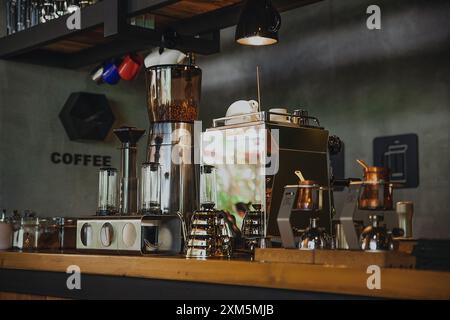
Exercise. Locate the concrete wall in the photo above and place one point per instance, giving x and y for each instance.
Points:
(360, 83)
(31, 98)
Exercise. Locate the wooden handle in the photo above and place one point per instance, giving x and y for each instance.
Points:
(299, 174)
(363, 164)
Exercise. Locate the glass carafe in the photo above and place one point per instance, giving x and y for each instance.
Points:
(205, 228)
(315, 237)
(107, 192)
(375, 236)
(208, 196)
(151, 188)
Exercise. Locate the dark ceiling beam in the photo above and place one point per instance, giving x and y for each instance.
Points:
(138, 39)
(286, 5)
(137, 7)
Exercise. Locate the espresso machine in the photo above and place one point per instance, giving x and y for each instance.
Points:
(256, 155)
(173, 98)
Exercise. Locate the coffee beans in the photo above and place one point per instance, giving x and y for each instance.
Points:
(177, 111)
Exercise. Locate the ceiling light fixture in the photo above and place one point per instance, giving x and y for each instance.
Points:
(258, 24)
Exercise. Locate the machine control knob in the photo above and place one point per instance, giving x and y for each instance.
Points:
(334, 145)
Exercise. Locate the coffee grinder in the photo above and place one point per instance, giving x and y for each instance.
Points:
(169, 184)
(173, 98)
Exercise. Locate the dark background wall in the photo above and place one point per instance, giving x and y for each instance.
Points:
(361, 84)
(31, 98)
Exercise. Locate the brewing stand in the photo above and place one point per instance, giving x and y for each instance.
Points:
(293, 202)
(357, 208)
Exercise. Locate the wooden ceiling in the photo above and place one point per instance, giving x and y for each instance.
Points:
(164, 17)
(188, 8)
(78, 42)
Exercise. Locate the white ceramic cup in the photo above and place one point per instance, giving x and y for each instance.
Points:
(242, 107)
(279, 118)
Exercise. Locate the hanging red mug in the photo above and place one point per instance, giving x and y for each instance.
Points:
(130, 66)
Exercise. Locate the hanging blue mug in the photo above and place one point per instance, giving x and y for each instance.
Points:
(110, 73)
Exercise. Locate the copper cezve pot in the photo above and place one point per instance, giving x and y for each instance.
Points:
(376, 192)
(308, 197)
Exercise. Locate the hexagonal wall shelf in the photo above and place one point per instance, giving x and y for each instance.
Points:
(87, 116)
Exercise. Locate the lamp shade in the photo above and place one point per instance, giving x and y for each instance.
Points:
(258, 24)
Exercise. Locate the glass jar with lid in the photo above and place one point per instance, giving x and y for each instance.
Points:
(28, 234)
(49, 234)
(68, 233)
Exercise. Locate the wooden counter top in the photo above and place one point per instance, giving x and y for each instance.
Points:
(395, 283)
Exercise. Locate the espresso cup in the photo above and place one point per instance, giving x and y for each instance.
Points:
(130, 66)
(279, 118)
(242, 107)
(97, 74)
(110, 73)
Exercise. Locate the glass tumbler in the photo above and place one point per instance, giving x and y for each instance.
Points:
(150, 188)
(107, 192)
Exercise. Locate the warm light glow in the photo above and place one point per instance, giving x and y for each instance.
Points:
(257, 41)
